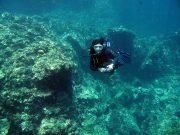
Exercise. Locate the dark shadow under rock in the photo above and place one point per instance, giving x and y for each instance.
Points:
(60, 83)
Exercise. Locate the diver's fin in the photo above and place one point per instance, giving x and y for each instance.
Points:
(123, 57)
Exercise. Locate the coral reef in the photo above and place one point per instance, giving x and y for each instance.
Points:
(56, 126)
(35, 69)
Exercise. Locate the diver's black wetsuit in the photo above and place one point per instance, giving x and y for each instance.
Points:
(101, 60)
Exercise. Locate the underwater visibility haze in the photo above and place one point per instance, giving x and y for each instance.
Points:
(47, 87)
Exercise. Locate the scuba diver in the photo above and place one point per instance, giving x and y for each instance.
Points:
(104, 59)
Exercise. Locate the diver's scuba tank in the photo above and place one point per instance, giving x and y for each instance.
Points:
(107, 44)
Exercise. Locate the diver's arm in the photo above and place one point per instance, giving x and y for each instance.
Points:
(111, 53)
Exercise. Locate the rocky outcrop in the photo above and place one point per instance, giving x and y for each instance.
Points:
(35, 71)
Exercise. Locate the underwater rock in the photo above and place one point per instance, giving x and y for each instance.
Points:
(122, 39)
(2, 75)
(7, 16)
(55, 126)
(23, 122)
(30, 51)
(5, 125)
(88, 124)
(153, 56)
(23, 97)
(35, 72)
(171, 127)
(126, 123)
(177, 113)
(175, 37)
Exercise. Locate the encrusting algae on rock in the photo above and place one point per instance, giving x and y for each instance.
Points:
(33, 69)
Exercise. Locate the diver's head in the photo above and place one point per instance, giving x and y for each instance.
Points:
(97, 45)
(98, 48)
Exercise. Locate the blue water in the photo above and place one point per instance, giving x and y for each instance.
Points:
(143, 16)
(149, 17)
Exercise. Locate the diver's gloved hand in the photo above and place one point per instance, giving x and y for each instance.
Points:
(102, 69)
(110, 67)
